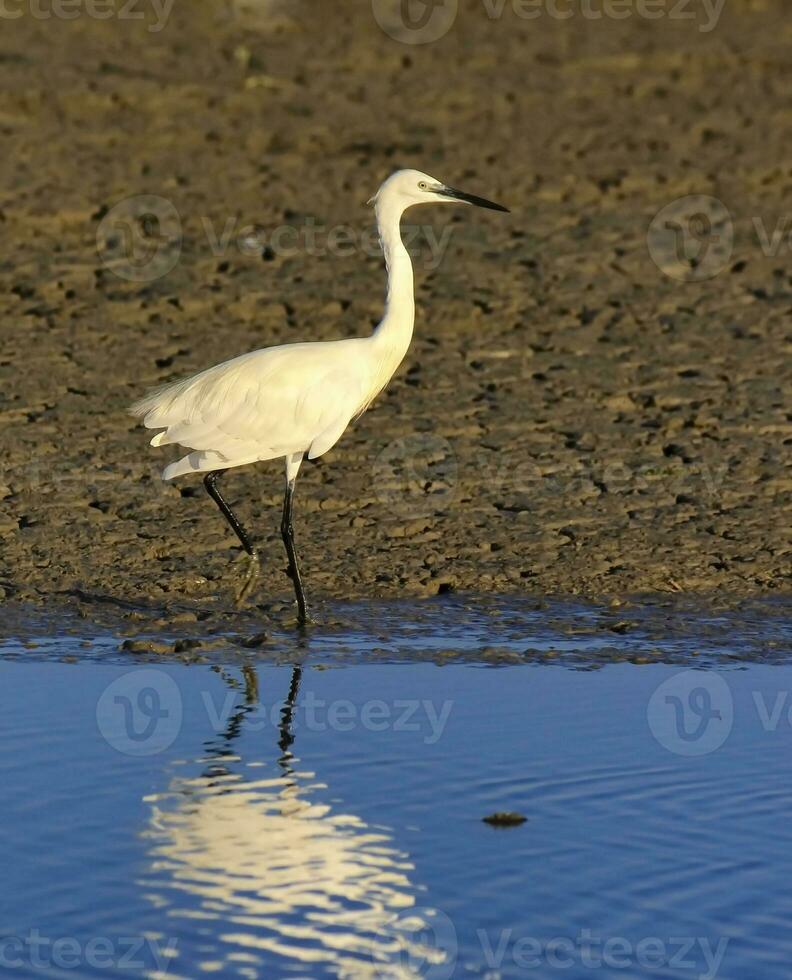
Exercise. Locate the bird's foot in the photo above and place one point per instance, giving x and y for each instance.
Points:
(250, 572)
(304, 618)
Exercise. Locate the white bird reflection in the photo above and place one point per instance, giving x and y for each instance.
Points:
(270, 876)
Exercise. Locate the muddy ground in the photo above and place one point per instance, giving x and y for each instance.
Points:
(585, 409)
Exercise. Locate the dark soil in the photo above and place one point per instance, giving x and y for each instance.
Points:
(571, 418)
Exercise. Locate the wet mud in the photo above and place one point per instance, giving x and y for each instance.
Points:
(490, 630)
(573, 417)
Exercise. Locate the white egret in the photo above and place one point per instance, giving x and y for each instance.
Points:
(296, 399)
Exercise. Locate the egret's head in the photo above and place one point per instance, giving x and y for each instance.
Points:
(406, 188)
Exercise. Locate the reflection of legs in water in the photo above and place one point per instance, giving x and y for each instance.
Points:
(221, 746)
(287, 715)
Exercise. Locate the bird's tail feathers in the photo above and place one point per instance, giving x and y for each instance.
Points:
(154, 405)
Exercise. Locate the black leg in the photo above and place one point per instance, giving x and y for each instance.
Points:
(287, 531)
(210, 482)
(287, 717)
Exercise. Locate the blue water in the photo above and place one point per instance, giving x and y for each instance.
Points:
(327, 822)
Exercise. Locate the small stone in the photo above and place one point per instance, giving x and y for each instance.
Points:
(144, 646)
(252, 642)
(504, 819)
(184, 617)
(182, 646)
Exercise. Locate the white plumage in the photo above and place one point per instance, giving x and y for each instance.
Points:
(297, 399)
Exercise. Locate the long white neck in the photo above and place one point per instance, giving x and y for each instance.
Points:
(392, 337)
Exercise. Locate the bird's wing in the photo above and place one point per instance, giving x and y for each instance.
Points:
(281, 400)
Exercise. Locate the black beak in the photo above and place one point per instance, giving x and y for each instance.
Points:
(479, 202)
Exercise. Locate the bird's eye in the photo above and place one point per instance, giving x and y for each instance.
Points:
(422, 185)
